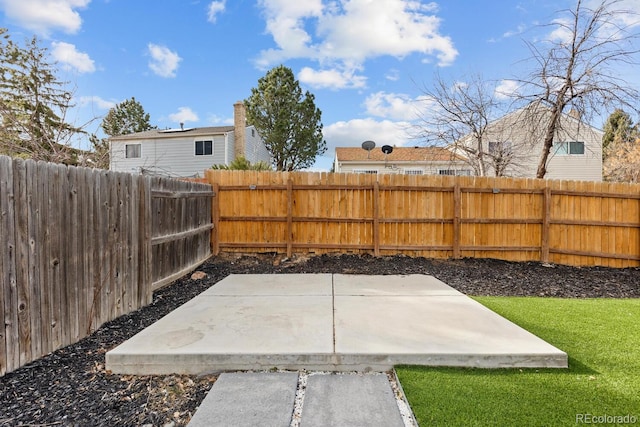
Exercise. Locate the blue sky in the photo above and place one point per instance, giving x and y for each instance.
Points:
(366, 61)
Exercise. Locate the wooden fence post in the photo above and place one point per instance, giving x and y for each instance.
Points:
(215, 216)
(289, 218)
(457, 213)
(376, 218)
(546, 222)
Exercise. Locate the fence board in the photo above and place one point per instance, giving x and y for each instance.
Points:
(22, 262)
(33, 280)
(10, 352)
(40, 197)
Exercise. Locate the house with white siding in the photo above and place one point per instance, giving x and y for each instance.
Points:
(401, 160)
(187, 152)
(514, 143)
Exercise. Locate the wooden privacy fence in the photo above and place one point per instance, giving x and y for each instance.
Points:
(563, 222)
(80, 247)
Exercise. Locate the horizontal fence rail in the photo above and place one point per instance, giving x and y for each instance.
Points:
(80, 247)
(563, 222)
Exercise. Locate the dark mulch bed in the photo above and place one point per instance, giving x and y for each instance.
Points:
(71, 386)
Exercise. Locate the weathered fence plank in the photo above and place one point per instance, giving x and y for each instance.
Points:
(22, 262)
(11, 350)
(35, 255)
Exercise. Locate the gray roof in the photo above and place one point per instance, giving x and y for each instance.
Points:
(174, 133)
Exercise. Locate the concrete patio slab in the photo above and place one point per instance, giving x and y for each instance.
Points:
(329, 322)
(273, 285)
(412, 284)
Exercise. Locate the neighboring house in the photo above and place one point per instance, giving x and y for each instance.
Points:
(514, 143)
(402, 160)
(187, 152)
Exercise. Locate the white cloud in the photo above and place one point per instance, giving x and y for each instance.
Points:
(353, 132)
(511, 33)
(215, 8)
(561, 33)
(506, 89)
(42, 16)
(393, 75)
(343, 35)
(95, 101)
(163, 62)
(332, 79)
(396, 106)
(71, 58)
(622, 14)
(216, 120)
(184, 115)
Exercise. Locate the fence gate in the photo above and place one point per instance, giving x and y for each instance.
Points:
(181, 226)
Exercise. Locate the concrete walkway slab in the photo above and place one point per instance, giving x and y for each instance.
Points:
(350, 400)
(248, 400)
(331, 323)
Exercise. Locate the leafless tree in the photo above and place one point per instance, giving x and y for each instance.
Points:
(574, 70)
(461, 116)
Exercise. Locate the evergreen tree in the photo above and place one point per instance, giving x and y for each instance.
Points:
(125, 118)
(289, 123)
(619, 127)
(33, 104)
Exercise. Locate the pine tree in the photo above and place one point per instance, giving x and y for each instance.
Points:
(125, 118)
(33, 104)
(619, 127)
(289, 123)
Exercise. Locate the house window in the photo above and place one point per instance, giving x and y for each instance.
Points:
(132, 151)
(369, 171)
(413, 172)
(453, 172)
(204, 148)
(570, 148)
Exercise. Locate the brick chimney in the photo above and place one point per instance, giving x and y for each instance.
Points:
(239, 123)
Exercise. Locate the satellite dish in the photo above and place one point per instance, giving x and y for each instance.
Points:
(368, 145)
(387, 149)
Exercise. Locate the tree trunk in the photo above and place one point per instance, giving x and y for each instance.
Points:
(556, 111)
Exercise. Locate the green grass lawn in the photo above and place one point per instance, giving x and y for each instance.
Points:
(602, 339)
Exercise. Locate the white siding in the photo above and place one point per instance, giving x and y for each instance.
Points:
(169, 156)
(527, 140)
(230, 147)
(427, 168)
(255, 150)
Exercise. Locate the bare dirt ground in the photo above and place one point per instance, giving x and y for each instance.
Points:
(71, 387)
